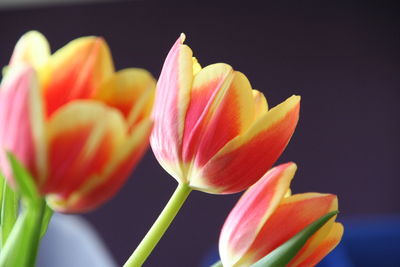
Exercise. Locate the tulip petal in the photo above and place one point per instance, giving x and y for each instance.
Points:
(196, 66)
(22, 121)
(292, 215)
(252, 211)
(219, 95)
(75, 72)
(124, 89)
(210, 81)
(141, 110)
(100, 188)
(242, 161)
(260, 104)
(32, 48)
(172, 99)
(330, 241)
(80, 144)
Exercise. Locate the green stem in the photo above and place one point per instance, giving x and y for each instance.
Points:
(159, 227)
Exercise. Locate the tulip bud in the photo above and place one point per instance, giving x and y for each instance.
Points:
(264, 219)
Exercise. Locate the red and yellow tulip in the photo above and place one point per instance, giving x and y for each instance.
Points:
(267, 216)
(75, 123)
(211, 129)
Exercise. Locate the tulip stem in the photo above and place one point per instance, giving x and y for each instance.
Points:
(159, 227)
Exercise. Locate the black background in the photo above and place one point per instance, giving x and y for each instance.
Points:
(343, 59)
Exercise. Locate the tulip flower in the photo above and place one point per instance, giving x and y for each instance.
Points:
(78, 126)
(212, 131)
(266, 216)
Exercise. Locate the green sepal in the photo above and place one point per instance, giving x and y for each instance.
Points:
(283, 254)
(24, 181)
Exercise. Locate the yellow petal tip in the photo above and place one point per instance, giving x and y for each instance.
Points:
(31, 48)
(296, 98)
(292, 166)
(182, 37)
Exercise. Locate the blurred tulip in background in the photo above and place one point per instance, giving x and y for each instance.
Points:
(75, 123)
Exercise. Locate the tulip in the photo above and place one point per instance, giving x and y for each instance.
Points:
(78, 126)
(212, 131)
(267, 216)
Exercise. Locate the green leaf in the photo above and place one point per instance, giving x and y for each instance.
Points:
(9, 211)
(48, 213)
(25, 183)
(22, 245)
(282, 255)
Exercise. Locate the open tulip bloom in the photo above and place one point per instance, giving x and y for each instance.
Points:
(78, 125)
(212, 131)
(73, 130)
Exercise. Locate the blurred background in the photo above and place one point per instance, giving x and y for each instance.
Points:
(342, 57)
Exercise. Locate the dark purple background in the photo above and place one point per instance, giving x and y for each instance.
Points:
(343, 59)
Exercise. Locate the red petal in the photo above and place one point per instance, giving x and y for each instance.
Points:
(81, 145)
(76, 71)
(246, 158)
(101, 189)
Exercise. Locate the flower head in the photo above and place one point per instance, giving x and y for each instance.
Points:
(212, 130)
(267, 216)
(75, 123)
